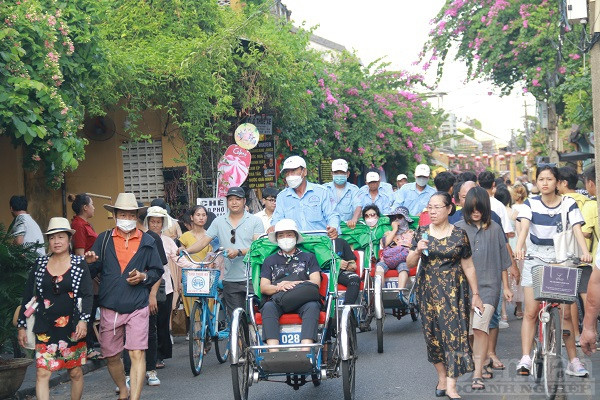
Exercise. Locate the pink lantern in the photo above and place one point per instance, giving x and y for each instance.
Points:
(477, 158)
(508, 154)
(472, 155)
(485, 155)
(451, 156)
(501, 157)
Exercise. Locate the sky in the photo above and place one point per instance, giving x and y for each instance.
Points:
(397, 30)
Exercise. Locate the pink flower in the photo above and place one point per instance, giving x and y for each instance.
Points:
(51, 20)
(352, 92)
(322, 106)
(53, 57)
(525, 90)
(361, 150)
(418, 157)
(562, 70)
(309, 91)
(409, 115)
(381, 135)
(348, 150)
(321, 82)
(64, 111)
(52, 348)
(575, 56)
(305, 151)
(427, 148)
(505, 28)
(409, 144)
(535, 82)
(538, 69)
(337, 135)
(416, 129)
(525, 23)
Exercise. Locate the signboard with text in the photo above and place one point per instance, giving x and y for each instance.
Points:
(264, 124)
(262, 166)
(216, 205)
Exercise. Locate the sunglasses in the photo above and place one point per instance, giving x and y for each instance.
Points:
(233, 236)
(55, 287)
(542, 165)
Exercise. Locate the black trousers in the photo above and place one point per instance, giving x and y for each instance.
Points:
(309, 312)
(352, 282)
(234, 295)
(150, 352)
(91, 338)
(163, 328)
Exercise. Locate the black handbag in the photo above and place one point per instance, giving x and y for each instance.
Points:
(161, 294)
(299, 295)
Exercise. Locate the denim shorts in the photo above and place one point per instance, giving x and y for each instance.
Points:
(401, 267)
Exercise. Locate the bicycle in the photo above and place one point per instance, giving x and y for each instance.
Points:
(208, 317)
(554, 283)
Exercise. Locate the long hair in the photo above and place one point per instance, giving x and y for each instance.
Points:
(478, 199)
(447, 200)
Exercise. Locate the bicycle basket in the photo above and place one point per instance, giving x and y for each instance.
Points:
(200, 282)
(555, 283)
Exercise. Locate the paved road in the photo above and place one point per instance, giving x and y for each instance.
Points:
(401, 372)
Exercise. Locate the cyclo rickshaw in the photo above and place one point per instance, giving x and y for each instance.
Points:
(331, 356)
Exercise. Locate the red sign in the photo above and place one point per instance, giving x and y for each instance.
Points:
(233, 169)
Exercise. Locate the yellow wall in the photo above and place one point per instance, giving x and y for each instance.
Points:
(101, 172)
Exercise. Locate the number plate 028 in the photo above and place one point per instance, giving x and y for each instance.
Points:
(289, 338)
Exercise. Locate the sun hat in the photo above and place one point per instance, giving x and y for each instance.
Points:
(59, 224)
(161, 203)
(339, 165)
(156, 211)
(372, 177)
(422, 170)
(285, 225)
(236, 191)
(402, 211)
(126, 202)
(401, 176)
(293, 162)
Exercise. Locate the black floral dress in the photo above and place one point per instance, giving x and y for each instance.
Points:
(63, 301)
(443, 297)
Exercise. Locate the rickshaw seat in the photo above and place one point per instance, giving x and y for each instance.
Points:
(393, 273)
(293, 318)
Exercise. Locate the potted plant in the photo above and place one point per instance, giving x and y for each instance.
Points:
(15, 263)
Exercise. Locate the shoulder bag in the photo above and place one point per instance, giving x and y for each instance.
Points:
(565, 244)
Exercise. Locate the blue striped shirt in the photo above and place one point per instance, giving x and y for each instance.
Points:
(545, 221)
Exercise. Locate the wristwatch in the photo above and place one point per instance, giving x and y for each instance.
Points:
(145, 277)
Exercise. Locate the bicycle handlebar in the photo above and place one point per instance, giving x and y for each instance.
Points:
(575, 260)
(217, 253)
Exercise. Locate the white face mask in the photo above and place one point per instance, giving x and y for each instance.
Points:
(422, 181)
(371, 222)
(126, 225)
(286, 244)
(293, 181)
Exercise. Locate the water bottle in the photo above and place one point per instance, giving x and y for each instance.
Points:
(425, 236)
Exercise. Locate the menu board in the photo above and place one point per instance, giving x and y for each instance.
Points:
(262, 166)
(325, 173)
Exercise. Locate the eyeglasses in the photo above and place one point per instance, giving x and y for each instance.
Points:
(542, 165)
(271, 199)
(233, 236)
(435, 208)
(55, 287)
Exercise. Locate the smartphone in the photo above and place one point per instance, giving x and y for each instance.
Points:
(425, 236)
(478, 312)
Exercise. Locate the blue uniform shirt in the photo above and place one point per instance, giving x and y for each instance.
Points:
(311, 212)
(408, 196)
(346, 203)
(383, 200)
(385, 187)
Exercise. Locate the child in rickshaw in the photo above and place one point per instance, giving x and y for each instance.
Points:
(395, 246)
(290, 278)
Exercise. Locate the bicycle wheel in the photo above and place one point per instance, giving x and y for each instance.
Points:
(222, 322)
(197, 336)
(553, 365)
(349, 366)
(240, 372)
(537, 361)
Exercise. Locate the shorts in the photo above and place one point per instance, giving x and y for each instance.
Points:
(118, 331)
(586, 273)
(546, 252)
(482, 323)
(401, 267)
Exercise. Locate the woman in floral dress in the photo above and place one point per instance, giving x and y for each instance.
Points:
(62, 286)
(443, 293)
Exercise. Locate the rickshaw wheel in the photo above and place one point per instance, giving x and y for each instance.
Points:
(240, 373)
(316, 380)
(349, 366)
(379, 335)
(414, 314)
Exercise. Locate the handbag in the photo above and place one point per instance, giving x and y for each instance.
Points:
(161, 294)
(299, 295)
(30, 320)
(565, 244)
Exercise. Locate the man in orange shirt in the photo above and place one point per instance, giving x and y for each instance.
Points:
(129, 264)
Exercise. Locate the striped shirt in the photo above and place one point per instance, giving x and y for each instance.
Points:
(545, 221)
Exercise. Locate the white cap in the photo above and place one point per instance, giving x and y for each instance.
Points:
(293, 162)
(285, 225)
(372, 177)
(339, 165)
(422, 170)
(401, 176)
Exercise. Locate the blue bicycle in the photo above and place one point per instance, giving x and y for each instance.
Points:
(209, 322)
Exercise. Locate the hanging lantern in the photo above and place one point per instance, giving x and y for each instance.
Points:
(477, 158)
(508, 154)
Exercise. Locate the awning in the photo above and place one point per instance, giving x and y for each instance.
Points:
(575, 156)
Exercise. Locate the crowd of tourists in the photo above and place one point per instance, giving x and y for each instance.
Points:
(474, 231)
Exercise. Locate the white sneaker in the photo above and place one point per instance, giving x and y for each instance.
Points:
(503, 324)
(524, 366)
(127, 380)
(576, 368)
(152, 378)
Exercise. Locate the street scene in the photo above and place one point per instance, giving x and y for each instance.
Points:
(312, 199)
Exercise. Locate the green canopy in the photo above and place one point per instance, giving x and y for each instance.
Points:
(320, 246)
(362, 236)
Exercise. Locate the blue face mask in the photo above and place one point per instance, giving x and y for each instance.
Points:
(340, 179)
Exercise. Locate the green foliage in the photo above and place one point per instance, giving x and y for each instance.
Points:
(15, 262)
(576, 91)
(49, 69)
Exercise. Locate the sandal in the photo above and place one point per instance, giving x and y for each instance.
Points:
(477, 384)
(498, 367)
(93, 354)
(160, 364)
(487, 373)
(518, 314)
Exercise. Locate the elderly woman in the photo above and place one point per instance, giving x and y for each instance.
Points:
(443, 293)
(287, 271)
(62, 287)
(396, 244)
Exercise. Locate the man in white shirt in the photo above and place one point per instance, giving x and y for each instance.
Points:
(401, 180)
(269, 201)
(24, 229)
(486, 181)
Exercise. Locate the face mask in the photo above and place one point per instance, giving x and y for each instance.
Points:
(340, 179)
(286, 244)
(371, 222)
(294, 181)
(422, 181)
(402, 224)
(126, 225)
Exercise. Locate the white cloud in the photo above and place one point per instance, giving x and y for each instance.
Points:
(397, 30)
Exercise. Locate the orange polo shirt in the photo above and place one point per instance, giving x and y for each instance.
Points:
(126, 247)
